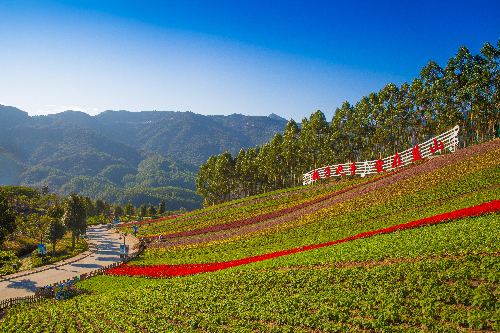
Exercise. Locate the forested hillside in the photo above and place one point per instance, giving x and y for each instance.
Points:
(187, 136)
(67, 157)
(119, 156)
(466, 92)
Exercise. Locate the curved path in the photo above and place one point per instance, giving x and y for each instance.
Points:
(104, 249)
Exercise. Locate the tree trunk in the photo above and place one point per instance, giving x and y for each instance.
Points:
(73, 241)
(54, 249)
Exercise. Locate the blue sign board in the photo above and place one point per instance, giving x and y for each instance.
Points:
(123, 249)
(42, 249)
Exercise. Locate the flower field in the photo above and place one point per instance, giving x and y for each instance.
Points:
(121, 225)
(332, 223)
(415, 251)
(258, 211)
(181, 270)
(266, 210)
(409, 289)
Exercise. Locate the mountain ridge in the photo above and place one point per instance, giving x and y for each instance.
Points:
(115, 151)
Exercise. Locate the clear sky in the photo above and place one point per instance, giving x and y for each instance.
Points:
(222, 57)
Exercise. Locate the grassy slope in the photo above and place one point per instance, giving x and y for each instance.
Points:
(456, 186)
(443, 278)
(433, 279)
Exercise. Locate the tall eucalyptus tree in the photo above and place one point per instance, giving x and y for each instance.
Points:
(290, 153)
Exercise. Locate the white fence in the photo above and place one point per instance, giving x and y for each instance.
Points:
(447, 140)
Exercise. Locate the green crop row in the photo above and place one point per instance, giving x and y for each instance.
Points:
(471, 235)
(304, 236)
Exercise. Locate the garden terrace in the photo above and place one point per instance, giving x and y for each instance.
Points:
(453, 179)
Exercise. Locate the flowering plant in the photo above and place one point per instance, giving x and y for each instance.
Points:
(188, 269)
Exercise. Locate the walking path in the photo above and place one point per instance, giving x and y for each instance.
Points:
(104, 249)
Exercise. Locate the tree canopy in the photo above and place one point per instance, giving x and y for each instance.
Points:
(75, 217)
(7, 218)
(466, 93)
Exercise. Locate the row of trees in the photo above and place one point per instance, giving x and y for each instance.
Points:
(43, 216)
(145, 210)
(466, 92)
(142, 211)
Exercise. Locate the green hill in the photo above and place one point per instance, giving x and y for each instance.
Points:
(438, 278)
(108, 155)
(187, 136)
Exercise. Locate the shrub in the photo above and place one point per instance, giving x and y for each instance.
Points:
(7, 260)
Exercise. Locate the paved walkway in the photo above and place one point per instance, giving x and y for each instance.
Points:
(104, 249)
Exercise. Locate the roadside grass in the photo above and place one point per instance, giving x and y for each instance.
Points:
(63, 251)
(32, 259)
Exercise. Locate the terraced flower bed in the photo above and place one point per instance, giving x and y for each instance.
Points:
(181, 270)
(224, 209)
(148, 221)
(303, 227)
(275, 209)
(257, 211)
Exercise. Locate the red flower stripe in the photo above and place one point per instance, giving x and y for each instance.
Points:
(181, 270)
(263, 217)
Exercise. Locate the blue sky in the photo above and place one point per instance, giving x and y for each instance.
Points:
(222, 57)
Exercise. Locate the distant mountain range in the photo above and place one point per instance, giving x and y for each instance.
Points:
(122, 156)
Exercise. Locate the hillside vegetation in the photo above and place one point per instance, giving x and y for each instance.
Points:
(411, 250)
(122, 157)
(464, 93)
(439, 278)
